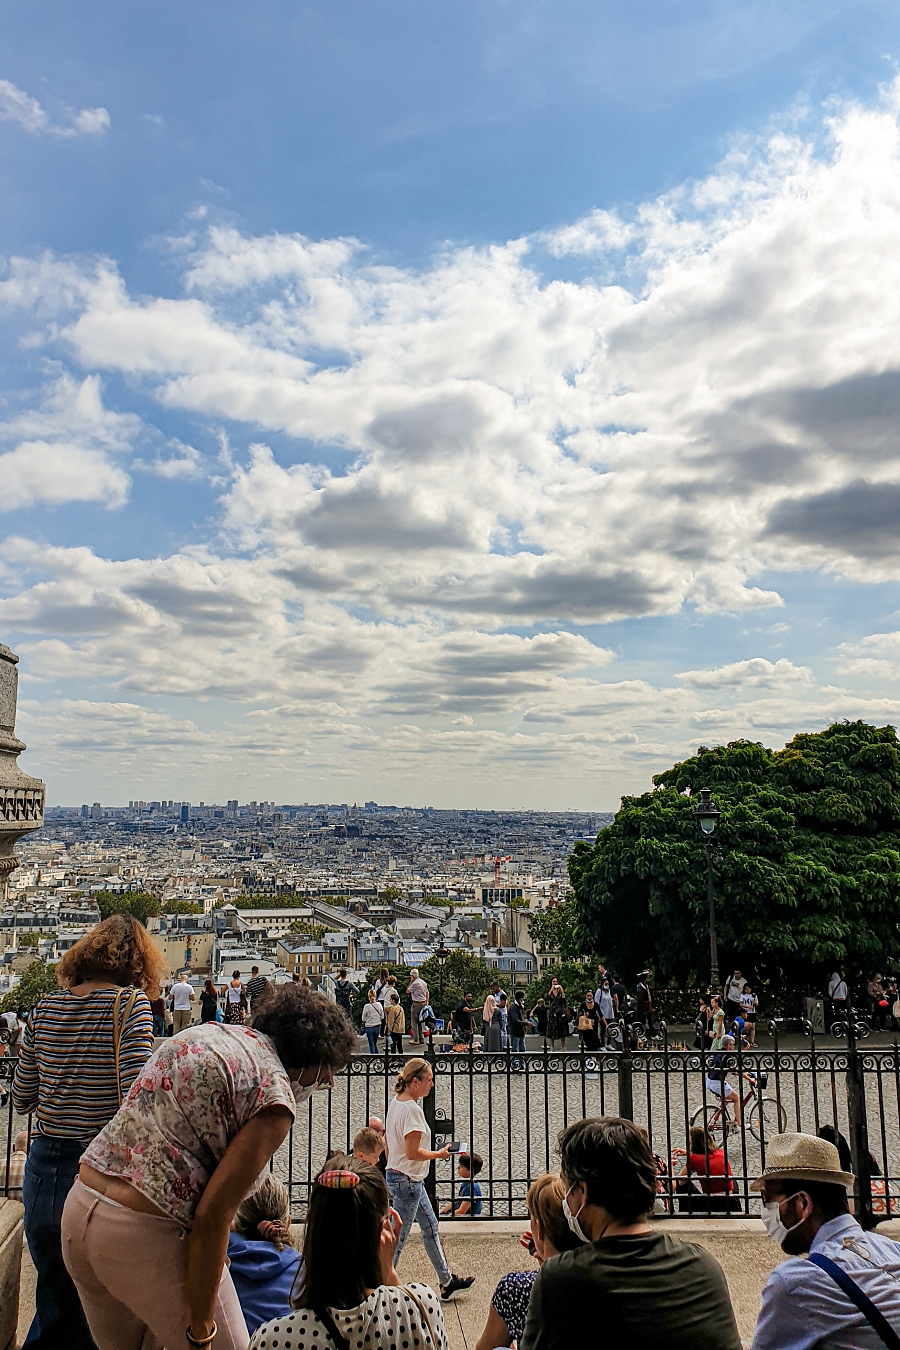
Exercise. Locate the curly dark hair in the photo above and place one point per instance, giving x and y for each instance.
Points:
(307, 1028)
(119, 950)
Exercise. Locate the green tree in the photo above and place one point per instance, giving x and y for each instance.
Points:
(556, 930)
(181, 907)
(141, 905)
(463, 973)
(575, 979)
(36, 981)
(807, 876)
(316, 931)
(29, 939)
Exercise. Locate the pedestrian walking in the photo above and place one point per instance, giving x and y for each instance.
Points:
(734, 987)
(589, 1024)
(145, 1228)
(255, 988)
(749, 1009)
(373, 1021)
(837, 993)
(643, 1002)
(846, 1292)
(717, 1021)
(558, 1016)
(409, 1156)
(418, 993)
(209, 1003)
(395, 1022)
(83, 1048)
(620, 996)
(182, 998)
(158, 1013)
(235, 1000)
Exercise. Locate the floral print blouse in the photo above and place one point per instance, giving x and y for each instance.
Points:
(186, 1105)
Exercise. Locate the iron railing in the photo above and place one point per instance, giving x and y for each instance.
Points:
(510, 1107)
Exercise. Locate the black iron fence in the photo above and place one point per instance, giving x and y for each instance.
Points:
(510, 1107)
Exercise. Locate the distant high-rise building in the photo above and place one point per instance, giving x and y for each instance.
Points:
(85, 812)
(96, 811)
(185, 812)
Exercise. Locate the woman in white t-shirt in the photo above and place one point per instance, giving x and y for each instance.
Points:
(409, 1155)
(350, 1296)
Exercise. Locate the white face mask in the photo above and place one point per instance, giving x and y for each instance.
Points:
(302, 1094)
(771, 1217)
(572, 1219)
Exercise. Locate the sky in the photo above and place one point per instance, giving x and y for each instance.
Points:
(465, 405)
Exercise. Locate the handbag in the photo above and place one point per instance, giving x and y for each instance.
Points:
(585, 1023)
(119, 1020)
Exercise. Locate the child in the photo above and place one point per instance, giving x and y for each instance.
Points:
(470, 1202)
(427, 1019)
(368, 1146)
(261, 1254)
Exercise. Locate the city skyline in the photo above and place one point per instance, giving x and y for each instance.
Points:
(482, 407)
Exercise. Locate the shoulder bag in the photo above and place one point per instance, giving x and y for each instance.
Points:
(120, 1014)
(873, 1316)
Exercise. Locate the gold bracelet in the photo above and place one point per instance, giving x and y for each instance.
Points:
(206, 1340)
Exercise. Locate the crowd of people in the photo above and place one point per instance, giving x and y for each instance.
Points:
(153, 1215)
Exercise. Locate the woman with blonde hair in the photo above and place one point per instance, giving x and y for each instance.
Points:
(409, 1155)
(262, 1258)
(82, 1050)
(350, 1293)
(549, 1235)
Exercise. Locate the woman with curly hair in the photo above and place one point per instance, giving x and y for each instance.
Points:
(159, 1187)
(83, 1048)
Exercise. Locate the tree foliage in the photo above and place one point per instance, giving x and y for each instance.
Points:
(807, 876)
(316, 931)
(556, 930)
(141, 905)
(576, 980)
(181, 907)
(463, 974)
(36, 981)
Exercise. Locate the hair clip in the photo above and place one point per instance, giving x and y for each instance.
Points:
(339, 1181)
(272, 1230)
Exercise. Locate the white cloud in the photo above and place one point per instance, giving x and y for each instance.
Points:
(500, 450)
(19, 107)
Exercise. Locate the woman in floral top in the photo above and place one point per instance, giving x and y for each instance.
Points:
(145, 1227)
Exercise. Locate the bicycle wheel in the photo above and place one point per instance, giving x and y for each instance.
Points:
(711, 1118)
(767, 1118)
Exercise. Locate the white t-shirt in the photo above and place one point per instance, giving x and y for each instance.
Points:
(405, 1118)
(734, 988)
(390, 1317)
(181, 996)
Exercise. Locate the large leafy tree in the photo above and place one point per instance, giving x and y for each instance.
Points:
(36, 981)
(807, 876)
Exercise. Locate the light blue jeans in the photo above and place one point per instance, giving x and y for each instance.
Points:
(410, 1199)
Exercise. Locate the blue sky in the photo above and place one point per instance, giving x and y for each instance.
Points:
(429, 260)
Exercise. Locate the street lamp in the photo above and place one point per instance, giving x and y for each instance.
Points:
(441, 956)
(707, 817)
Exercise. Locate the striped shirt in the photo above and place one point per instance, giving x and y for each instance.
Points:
(254, 988)
(67, 1069)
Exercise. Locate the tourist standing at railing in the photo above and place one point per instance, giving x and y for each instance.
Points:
(83, 1048)
(558, 1016)
(409, 1156)
(182, 998)
(209, 1003)
(418, 993)
(832, 1298)
(373, 1020)
(344, 994)
(145, 1228)
(235, 1000)
(256, 988)
(395, 1022)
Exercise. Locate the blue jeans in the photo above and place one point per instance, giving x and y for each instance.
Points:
(372, 1034)
(159, 1025)
(50, 1171)
(410, 1199)
(517, 1043)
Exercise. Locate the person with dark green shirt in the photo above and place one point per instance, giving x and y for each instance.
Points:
(627, 1284)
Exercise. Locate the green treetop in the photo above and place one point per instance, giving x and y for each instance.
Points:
(807, 872)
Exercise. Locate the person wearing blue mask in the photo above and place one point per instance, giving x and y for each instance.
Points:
(645, 1288)
(842, 1289)
(262, 1259)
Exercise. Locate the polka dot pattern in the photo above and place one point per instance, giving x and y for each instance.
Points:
(389, 1319)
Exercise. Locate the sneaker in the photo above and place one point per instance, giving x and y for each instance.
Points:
(457, 1282)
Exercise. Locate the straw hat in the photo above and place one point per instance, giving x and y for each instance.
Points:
(802, 1157)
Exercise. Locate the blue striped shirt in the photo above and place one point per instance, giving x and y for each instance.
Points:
(66, 1073)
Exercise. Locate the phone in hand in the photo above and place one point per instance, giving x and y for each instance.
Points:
(458, 1147)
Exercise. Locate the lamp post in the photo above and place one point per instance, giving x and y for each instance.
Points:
(441, 956)
(707, 816)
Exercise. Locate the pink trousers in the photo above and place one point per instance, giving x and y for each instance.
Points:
(128, 1269)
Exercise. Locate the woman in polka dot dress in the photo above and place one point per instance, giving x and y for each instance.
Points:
(350, 1297)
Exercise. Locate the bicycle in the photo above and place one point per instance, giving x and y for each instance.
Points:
(766, 1117)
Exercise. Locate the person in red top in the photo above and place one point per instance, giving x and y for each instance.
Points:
(712, 1171)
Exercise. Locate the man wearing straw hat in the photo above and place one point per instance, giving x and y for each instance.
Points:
(846, 1294)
